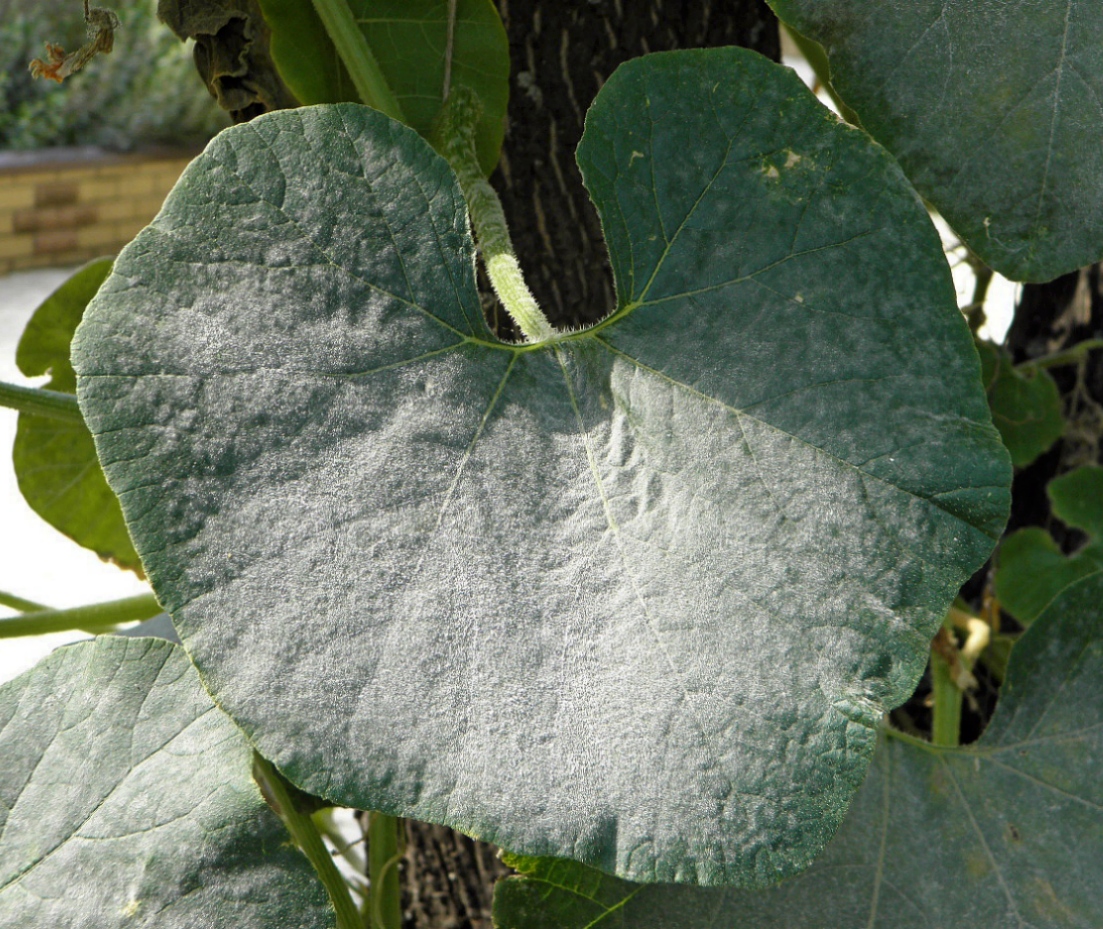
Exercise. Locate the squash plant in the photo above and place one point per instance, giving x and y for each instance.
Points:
(631, 601)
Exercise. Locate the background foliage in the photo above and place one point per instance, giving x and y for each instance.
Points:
(143, 93)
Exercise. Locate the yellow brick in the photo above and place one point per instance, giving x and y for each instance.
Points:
(167, 177)
(97, 190)
(16, 246)
(139, 184)
(119, 208)
(103, 236)
(16, 196)
(127, 229)
(39, 177)
(149, 205)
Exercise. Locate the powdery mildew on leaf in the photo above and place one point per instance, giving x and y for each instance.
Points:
(126, 800)
(1006, 832)
(992, 108)
(637, 596)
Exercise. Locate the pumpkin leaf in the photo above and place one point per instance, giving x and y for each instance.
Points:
(935, 836)
(1031, 569)
(992, 109)
(126, 799)
(637, 595)
(55, 460)
(1026, 407)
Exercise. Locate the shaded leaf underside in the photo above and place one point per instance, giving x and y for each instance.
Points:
(637, 596)
(55, 461)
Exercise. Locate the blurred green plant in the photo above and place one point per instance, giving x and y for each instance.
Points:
(143, 93)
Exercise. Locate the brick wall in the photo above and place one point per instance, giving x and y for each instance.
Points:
(61, 207)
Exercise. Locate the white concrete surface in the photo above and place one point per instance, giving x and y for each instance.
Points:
(36, 561)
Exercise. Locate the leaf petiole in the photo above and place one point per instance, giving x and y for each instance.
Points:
(305, 834)
(51, 403)
(455, 139)
(385, 900)
(93, 617)
(18, 603)
(1073, 355)
(357, 56)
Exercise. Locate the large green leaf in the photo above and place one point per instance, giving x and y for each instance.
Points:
(1031, 569)
(55, 461)
(1006, 832)
(409, 39)
(992, 108)
(1026, 406)
(126, 800)
(638, 595)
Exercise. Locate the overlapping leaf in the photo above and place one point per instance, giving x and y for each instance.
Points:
(993, 109)
(1006, 832)
(1031, 568)
(126, 800)
(409, 39)
(55, 461)
(638, 595)
(1026, 406)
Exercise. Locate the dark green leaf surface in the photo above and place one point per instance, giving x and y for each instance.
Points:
(126, 800)
(637, 596)
(1005, 833)
(409, 40)
(1077, 499)
(1031, 568)
(55, 461)
(992, 108)
(1026, 408)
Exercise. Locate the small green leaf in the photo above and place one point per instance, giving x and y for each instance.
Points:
(409, 40)
(993, 109)
(1006, 832)
(1026, 407)
(126, 800)
(1077, 499)
(55, 461)
(638, 594)
(1031, 568)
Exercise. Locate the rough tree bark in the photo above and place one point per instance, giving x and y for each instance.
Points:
(561, 52)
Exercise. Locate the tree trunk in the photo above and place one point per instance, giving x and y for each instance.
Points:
(561, 53)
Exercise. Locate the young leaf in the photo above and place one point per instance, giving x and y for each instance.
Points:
(1026, 408)
(992, 109)
(410, 40)
(126, 800)
(637, 595)
(936, 837)
(55, 460)
(1031, 568)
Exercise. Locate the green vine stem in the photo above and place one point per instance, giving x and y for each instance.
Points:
(359, 61)
(95, 616)
(946, 706)
(278, 794)
(951, 675)
(455, 139)
(1069, 356)
(51, 403)
(385, 896)
(18, 603)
